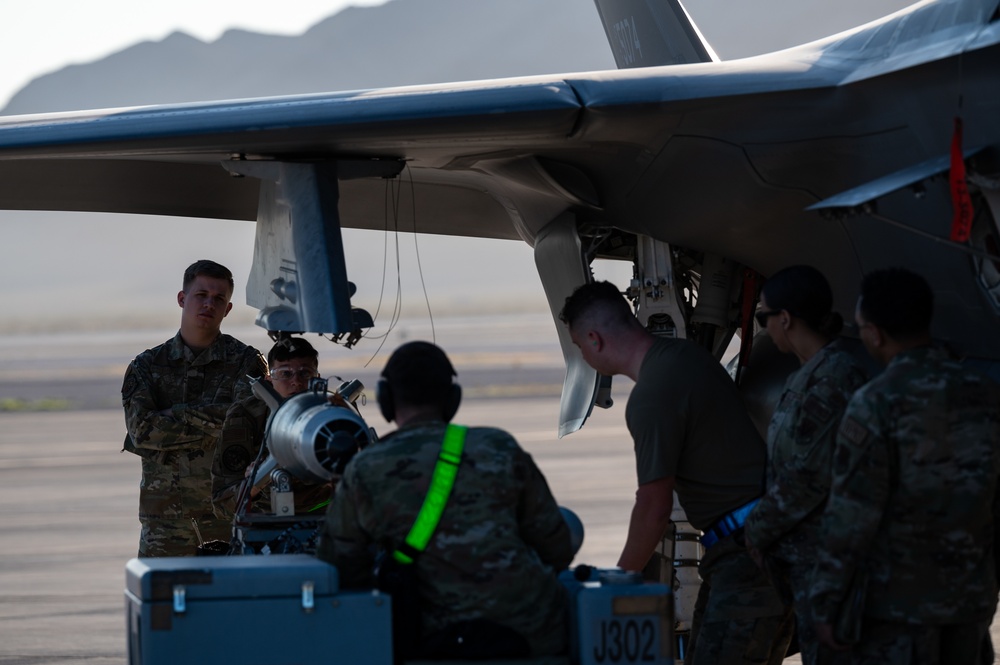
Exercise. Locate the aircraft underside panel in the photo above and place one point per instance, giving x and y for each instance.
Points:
(910, 229)
(561, 267)
(298, 280)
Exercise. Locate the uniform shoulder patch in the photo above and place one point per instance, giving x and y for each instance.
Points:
(235, 459)
(817, 409)
(130, 384)
(854, 431)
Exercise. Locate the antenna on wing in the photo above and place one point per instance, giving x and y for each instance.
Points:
(650, 33)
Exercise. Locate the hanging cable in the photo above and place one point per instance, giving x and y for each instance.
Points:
(416, 249)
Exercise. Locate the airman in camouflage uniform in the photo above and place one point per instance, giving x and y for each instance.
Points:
(293, 362)
(175, 397)
(785, 526)
(914, 496)
(501, 539)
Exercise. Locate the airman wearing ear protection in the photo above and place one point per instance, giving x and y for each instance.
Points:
(493, 556)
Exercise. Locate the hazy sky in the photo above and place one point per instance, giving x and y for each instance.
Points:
(39, 36)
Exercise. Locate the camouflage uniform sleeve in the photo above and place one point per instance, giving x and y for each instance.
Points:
(858, 496)
(154, 428)
(253, 366)
(542, 526)
(238, 445)
(801, 482)
(343, 541)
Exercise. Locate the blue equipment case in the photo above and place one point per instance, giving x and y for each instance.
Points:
(278, 609)
(616, 618)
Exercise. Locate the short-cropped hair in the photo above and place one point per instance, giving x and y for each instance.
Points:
(897, 300)
(291, 348)
(207, 268)
(596, 296)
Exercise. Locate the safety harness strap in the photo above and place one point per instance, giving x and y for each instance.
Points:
(442, 481)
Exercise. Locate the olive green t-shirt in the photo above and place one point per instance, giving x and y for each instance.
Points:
(687, 420)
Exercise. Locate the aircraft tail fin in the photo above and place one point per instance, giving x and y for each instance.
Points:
(649, 33)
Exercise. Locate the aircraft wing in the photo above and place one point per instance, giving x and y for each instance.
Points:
(720, 157)
(500, 148)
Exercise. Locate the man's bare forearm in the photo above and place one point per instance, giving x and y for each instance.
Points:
(650, 519)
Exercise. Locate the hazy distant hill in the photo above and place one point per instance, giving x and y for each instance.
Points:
(104, 271)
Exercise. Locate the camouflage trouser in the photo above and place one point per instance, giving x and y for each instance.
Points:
(738, 617)
(887, 643)
(177, 536)
(796, 578)
(172, 491)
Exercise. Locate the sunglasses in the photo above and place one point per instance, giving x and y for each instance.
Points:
(763, 316)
